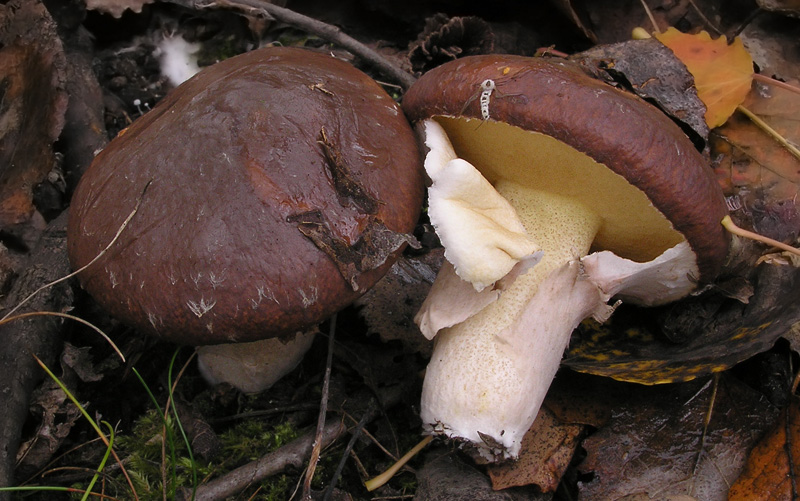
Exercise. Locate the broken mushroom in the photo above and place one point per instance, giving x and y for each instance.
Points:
(552, 193)
(274, 188)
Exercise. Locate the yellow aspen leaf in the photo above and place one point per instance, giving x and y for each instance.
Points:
(722, 72)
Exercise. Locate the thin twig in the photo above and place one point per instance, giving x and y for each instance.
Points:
(706, 20)
(347, 450)
(323, 410)
(652, 18)
(777, 83)
(310, 25)
(82, 268)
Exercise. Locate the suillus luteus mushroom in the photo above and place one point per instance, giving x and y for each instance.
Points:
(554, 195)
(276, 187)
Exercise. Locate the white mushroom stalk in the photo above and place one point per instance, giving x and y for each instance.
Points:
(256, 366)
(513, 289)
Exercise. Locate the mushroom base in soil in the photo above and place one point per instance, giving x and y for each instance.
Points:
(501, 331)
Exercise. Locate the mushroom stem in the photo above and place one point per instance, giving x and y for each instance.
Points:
(489, 374)
(256, 366)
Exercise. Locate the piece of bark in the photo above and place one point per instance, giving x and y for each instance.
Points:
(22, 339)
(32, 79)
(84, 134)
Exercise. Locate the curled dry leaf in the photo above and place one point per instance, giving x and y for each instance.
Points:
(445, 39)
(547, 451)
(786, 7)
(722, 72)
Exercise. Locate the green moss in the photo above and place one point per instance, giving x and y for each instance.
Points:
(251, 439)
(143, 451)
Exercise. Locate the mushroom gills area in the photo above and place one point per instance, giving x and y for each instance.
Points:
(489, 374)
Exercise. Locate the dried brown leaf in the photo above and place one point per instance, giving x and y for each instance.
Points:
(547, 450)
(770, 467)
(655, 443)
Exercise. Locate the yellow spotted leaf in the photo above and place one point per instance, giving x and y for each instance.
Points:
(722, 72)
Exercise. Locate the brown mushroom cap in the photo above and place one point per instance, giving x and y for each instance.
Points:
(613, 128)
(281, 183)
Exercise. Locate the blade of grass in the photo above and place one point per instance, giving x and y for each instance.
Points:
(91, 422)
(384, 477)
(102, 463)
(186, 441)
(729, 225)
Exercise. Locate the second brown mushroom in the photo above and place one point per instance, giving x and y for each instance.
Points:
(551, 193)
(274, 188)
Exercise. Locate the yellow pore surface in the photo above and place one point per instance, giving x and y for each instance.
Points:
(630, 226)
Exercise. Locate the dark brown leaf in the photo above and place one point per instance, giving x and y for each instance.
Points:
(713, 333)
(655, 444)
(652, 71)
(389, 306)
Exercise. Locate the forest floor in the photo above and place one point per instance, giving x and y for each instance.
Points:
(93, 70)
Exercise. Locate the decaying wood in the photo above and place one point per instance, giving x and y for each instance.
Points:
(21, 339)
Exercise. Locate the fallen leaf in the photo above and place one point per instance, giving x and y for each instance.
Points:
(655, 443)
(547, 450)
(389, 306)
(773, 462)
(722, 72)
(691, 338)
(761, 175)
(652, 72)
